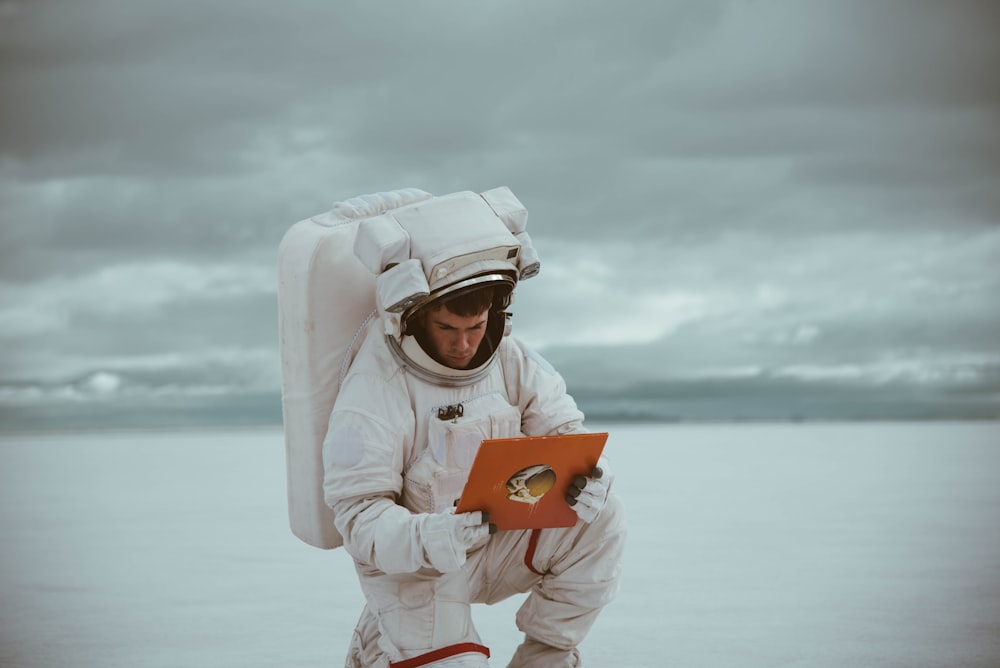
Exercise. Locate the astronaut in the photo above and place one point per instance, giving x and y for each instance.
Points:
(436, 373)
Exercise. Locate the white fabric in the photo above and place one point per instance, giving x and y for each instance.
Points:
(427, 610)
(325, 297)
(403, 542)
(448, 537)
(594, 494)
(374, 204)
(508, 208)
(453, 237)
(393, 471)
(533, 654)
(469, 660)
(390, 416)
(381, 242)
(447, 232)
(529, 263)
(401, 287)
(317, 326)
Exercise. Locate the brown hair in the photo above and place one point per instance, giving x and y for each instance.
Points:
(470, 303)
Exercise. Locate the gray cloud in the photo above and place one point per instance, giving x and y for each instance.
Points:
(731, 190)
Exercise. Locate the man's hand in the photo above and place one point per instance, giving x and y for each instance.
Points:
(587, 495)
(446, 537)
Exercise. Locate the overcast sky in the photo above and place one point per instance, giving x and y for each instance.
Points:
(734, 194)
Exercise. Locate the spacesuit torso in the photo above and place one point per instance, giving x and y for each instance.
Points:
(395, 432)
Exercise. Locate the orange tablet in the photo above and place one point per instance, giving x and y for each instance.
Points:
(522, 481)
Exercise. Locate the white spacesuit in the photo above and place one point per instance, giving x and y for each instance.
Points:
(402, 437)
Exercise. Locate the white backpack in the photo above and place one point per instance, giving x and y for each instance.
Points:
(325, 298)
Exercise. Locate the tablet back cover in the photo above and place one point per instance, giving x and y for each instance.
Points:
(522, 481)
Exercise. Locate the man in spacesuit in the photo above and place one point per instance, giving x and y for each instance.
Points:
(436, 374)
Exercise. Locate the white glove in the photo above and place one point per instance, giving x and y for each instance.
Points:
(447, 537)
(587, 495)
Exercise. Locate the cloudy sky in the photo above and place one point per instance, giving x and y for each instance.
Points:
(742, 208)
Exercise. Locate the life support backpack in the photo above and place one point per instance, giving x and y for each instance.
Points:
(327, 295)
(325, 298)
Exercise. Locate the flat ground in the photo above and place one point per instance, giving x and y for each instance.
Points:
(751, 545)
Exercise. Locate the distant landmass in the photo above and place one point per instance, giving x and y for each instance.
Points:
(637, 404)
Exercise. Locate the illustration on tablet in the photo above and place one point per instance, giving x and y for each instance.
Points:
(530, 484)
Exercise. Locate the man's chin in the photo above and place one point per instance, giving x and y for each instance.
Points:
(458, 362)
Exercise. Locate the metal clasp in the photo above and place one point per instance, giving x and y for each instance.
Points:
(452, 412)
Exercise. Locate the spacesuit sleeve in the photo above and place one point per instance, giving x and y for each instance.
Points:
(378, 532)
(540, 392)
(363, 451)
(367, 522)
(363, 455)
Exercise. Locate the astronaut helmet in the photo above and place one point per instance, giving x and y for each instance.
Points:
(459, 256)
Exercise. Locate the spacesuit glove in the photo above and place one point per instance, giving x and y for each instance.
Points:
(447, 537)
(588, 494)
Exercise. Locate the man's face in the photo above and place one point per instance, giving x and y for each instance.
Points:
(455, 338)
